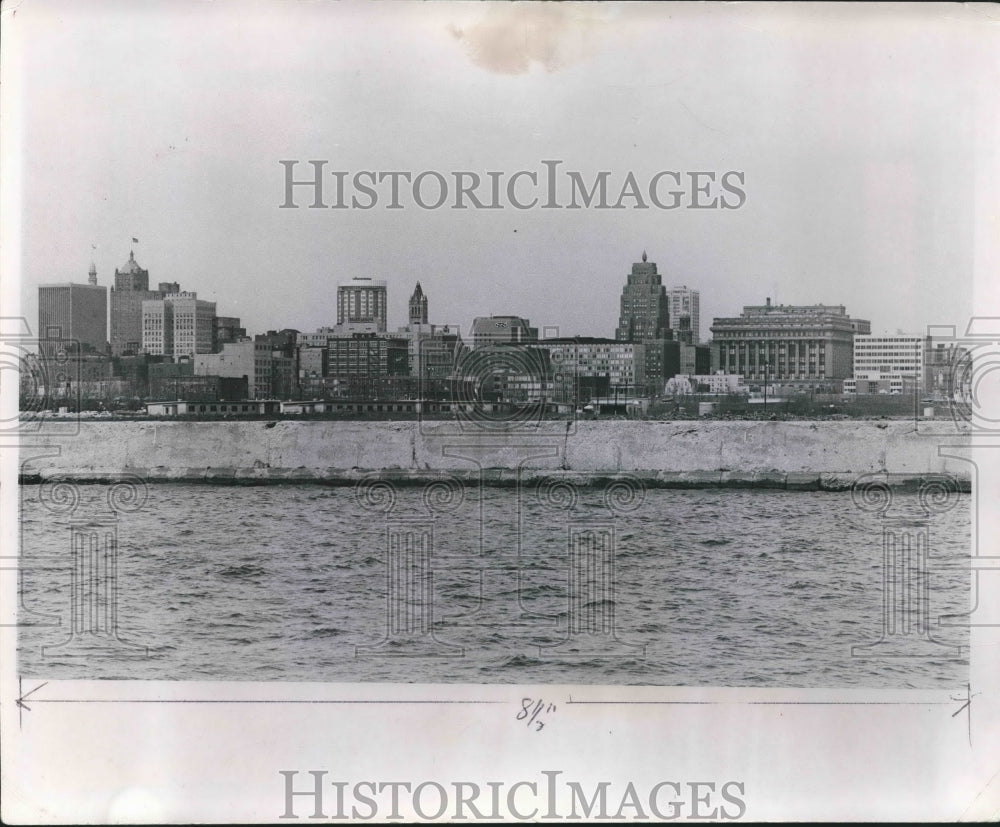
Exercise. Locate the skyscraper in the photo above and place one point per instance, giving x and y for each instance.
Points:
(131, 289)
(76, 312)
(683, 301)
(645, 318)
(418, 306)
(363, 300)
(644, 311)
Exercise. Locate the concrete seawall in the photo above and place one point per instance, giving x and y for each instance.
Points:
(792, 455)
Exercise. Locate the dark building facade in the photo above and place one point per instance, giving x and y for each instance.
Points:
(226, 329)
(368, 355)
(199, 388)
(276, 356)
(644, 312)
(645, 318)
(695, 360)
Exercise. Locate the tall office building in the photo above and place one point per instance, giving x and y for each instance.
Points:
(76, 312)
(157, 322)
(179, 324)
(194, 324)
(130, 290)
(644, 310)
(131, 276)
(684, 302)
(363, 301)
(811, 344)
(645, 318)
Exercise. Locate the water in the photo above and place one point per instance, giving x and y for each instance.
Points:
(708, 588)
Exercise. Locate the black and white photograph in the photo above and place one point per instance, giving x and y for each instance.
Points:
(501, 411)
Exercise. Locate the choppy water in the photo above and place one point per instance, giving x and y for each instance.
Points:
(708, 588)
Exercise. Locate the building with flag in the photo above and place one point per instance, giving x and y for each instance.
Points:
(130, 290)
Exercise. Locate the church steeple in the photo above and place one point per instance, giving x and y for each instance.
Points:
(644, 256)
(418, 306)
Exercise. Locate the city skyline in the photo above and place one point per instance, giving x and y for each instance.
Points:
(398, 309)
(855, 193)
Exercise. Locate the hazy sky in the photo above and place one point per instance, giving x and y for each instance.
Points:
(859, 130)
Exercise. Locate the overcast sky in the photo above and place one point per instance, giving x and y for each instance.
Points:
(859, 132)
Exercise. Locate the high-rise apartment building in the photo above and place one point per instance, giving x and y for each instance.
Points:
(363, 300)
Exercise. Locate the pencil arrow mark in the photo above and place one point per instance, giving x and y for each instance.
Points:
(966, 707)
(21, 698)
